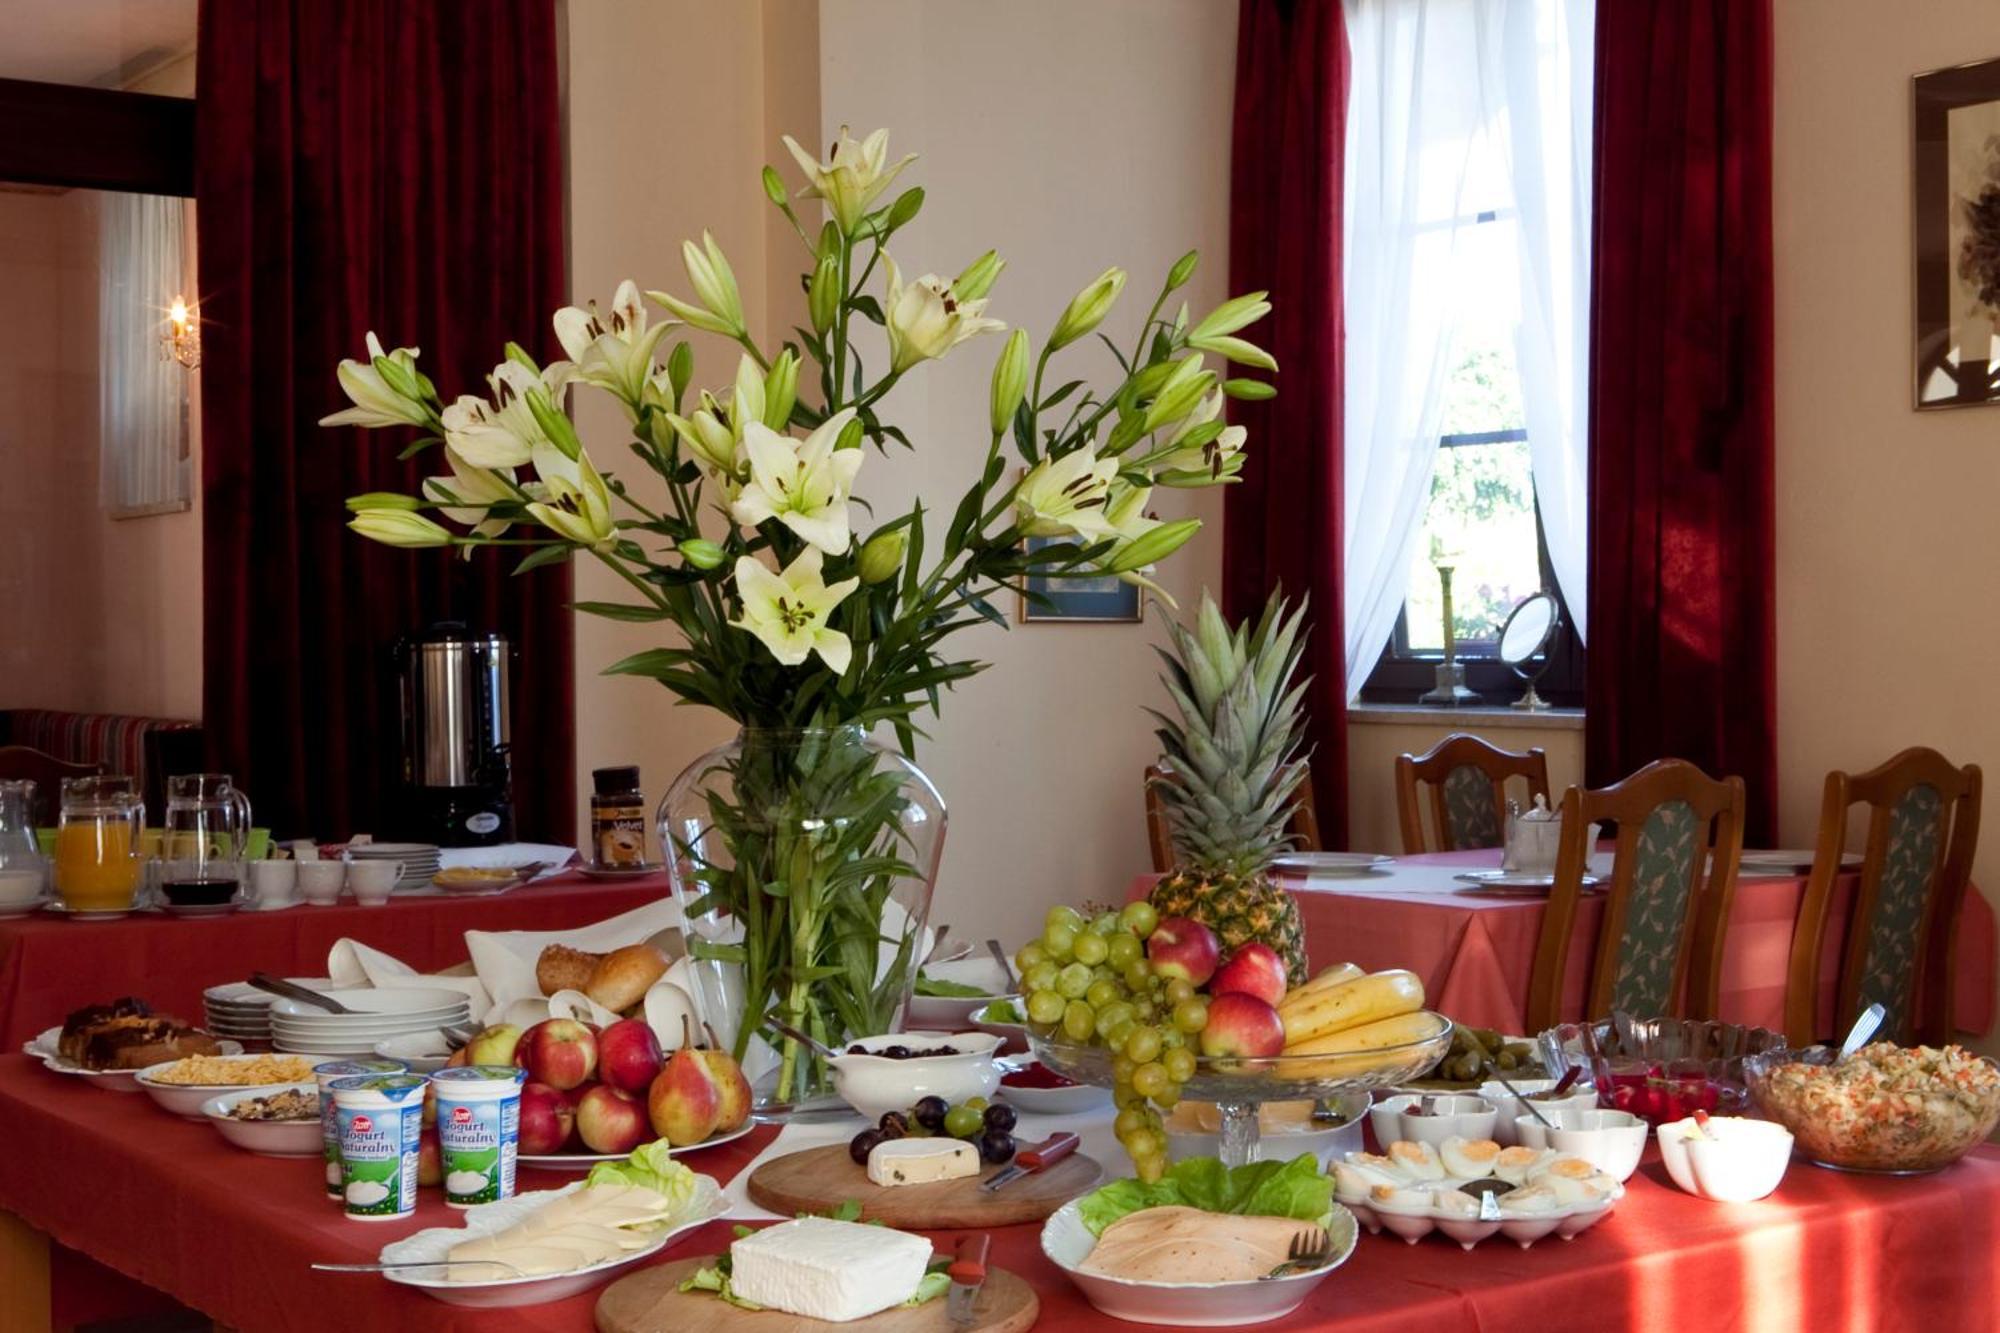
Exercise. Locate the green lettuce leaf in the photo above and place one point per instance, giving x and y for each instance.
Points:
(653, 1166)
(948, 990)
(1262, 1189)
(1001, 1011)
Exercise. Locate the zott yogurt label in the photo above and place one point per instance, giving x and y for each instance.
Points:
(329, 1128)
(380, 1120)
(479, 1131)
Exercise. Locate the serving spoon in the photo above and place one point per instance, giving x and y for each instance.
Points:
(279, 986)
(1864, 1028)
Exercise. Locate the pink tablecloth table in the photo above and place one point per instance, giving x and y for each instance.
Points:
(1474, 950)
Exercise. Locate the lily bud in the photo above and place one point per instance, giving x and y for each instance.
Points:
(781, 390)
(977, 280)
(1232, 315)
(1183, 269)
(774, 186)
(850, 435)
(1010, 380)
(699, 551)
(519, 354)
(382, 500)
(823, 293)
(1152, 546)
(399, 527)
(680, 370)
(554, 424)
(400, 376)
(1088, 308)
(714, 282)
(1235, 349)
(1250, 391)
(882, 556)
(906, 207)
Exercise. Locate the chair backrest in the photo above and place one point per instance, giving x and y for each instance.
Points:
(1468, 782)
(18, 762)
(1673, 879)
(1303, 826)
(1900, 922)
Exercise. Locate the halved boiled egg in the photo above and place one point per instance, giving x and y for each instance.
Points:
(1419, 1160)
(1468, 1159)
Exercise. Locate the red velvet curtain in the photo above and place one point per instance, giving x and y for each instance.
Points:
(393, 165)
(1283, 520)
(1681, 659)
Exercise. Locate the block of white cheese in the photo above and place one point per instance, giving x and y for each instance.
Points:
(921, 1161)
(823, 1269)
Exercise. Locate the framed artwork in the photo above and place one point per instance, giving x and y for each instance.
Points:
(1073, 601)
(1955, 123)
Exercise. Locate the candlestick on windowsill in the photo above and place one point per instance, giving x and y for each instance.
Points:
(1451, 691)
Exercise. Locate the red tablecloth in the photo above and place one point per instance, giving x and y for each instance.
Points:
(231, 1234)
(50, 965)
(1475, 950)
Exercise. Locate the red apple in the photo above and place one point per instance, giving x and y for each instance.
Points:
(493, 1046)
(1182, 947)
(430, 1160)
(684, 1103)
(560, 1052)
(1254, 969)
(1242, 1025)
(628, 1055)
(610, 1121)
(547, 1120)
(733, 1107)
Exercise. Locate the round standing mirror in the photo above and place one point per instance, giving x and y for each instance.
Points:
(1525, 638)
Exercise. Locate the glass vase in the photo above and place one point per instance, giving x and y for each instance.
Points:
(802, 862)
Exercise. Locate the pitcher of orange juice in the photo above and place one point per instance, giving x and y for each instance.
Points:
(99, 862)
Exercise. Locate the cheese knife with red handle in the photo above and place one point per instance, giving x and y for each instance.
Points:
(1034, 1157)
(967, 1273)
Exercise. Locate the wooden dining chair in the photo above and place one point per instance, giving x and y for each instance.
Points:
(1468, 782)
(1303, 827)
(1673, 879)
(47, 772)
(1901, 924)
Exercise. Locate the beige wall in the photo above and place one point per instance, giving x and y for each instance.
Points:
(1069, 138)
(1887, 546)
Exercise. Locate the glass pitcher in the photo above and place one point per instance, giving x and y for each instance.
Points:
(203, 838)
(99, 835)
(23, 871)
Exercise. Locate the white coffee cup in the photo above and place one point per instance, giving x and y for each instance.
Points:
(320, 881)
(273, 883)
(373, 881)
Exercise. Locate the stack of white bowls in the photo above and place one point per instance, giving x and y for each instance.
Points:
(241, 1012)
(379, 1014)
(420, 860)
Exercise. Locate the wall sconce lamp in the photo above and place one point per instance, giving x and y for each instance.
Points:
(182, 340)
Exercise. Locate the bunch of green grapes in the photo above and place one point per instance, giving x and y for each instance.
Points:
(1089, 982)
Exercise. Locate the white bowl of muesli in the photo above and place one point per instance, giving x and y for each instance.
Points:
(278, 1122)
(1901, 1110)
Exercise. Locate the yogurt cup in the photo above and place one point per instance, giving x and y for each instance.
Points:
(324, 1075)
(381, 1120)
(479, 1131)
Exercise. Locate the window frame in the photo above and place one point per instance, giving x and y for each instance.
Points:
(1402, 674)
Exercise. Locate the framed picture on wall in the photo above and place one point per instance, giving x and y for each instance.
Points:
(1073, 601)
(1956, 154)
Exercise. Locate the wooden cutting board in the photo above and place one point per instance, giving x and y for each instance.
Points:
(649, 1301)
(819, 1180)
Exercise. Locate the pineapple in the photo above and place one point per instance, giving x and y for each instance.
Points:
(1234, 767)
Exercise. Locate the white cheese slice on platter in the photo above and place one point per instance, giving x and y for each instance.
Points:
(823, 1269)
(921, 1161)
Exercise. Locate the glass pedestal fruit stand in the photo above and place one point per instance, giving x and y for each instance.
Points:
(1240, 1085)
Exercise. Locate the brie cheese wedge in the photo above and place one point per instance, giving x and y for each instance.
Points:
(921, 1161)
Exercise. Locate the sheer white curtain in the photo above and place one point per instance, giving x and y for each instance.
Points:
(142, 395)
(1454, 104)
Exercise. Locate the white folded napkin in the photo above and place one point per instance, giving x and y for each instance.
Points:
(356, 966)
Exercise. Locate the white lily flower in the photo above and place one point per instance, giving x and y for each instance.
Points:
(476, 432)
(804, 484)
(721, 308)
(576, 504)
(1211, 458)
(713, 431)
(464, 496)
(375, 403)
(926, 319)
(511, 383)
(1067, 497)
(851, 177)
(614, 352)
(789, 611)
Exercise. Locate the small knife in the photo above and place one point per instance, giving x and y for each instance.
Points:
(967, 1273)
(1035, 1157)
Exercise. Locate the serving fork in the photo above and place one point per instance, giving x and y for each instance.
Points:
(1308, 1250)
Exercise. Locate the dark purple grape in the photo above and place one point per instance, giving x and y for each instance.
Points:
(930, 1111)
(1000, 1116)
(857, 1049)
(996, 1146)
(895, 1052)
(863, 1144)
(894, 1124)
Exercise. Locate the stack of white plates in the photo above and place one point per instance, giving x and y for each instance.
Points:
(379, 1014)
(420, 860)
(241, 1011)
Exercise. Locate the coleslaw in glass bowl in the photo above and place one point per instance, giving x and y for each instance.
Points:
(1901, 1110)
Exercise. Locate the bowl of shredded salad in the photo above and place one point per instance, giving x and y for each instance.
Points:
(1890, 1108)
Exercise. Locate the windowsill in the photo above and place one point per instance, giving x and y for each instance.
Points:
(1485, 717)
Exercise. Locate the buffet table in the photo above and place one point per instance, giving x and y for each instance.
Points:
(232, 1234)
(1474, 948)
(50, 965)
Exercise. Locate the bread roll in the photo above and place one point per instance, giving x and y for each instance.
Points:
(563, 968)
(623, 976)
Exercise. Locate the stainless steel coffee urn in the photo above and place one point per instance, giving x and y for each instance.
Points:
(456, 730)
